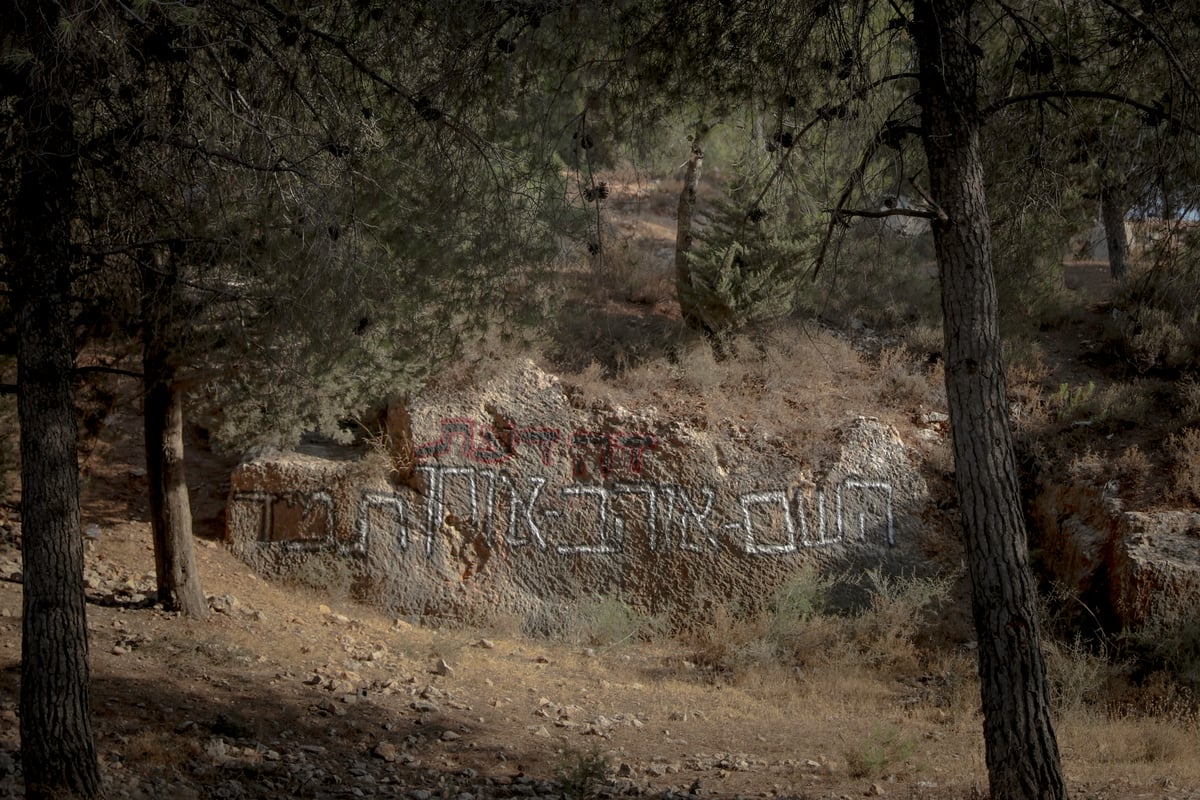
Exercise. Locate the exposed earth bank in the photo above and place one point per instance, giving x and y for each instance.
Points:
(297, 692)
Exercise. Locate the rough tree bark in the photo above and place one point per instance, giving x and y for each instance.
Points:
(689, 305)
(1112, 215)
(57, 750)
(170, 508)
(1022, 752)
(1167, 189)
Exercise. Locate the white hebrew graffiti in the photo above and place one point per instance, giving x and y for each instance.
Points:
(746, 525)
(370, 506)
(293, 520)
(578, 518)
(866, 486)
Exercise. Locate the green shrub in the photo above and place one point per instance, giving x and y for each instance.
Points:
(886, 747)
(742, 269)
(800, 626)
(608, 621)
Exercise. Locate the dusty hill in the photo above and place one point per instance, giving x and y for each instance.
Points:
(296, 691)
(290, 691)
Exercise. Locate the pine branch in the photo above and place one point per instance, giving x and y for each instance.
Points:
(921, 213)
(1152, 112)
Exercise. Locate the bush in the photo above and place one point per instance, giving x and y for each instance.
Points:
(886, 631)
(800, 628)
(886, 747)
(1173, 645)
(1184, 450)
(742, 269)
(1079, 678)
(608, 622)
(1157, 325)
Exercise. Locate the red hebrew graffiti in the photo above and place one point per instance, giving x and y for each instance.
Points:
(543, 439)
(496, 446)
(486, 447)
(606, 444)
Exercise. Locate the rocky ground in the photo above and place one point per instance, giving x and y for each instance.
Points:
(291, 691)
(296, 692)
(279, 694)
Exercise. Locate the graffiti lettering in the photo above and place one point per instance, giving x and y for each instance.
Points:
(605, 445)
(492, 451)
(543, 439)
(373, 504)
(604, 520)
(520, 512)
(292, 520)
(687, 518)
(807, 539)
(460, 436)
(876, 488)
(779, 513)
(578, 518)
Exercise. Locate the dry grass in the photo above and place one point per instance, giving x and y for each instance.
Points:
(872, 712)
(800, 630)
(1184, 451)
(791, 385)
(1137, 750)
(905, 383)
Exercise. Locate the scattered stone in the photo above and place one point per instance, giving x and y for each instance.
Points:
(485, 644)
(425, 706)
(450, 736)
(385, 750)
(223, 604)
(875, 790)
(442, 668)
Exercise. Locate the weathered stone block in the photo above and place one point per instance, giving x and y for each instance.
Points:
(518, 500)
(1155, 570)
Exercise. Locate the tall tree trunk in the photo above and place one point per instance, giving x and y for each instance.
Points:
(685, 292)
(170, 508)
(1112, 215)
(1022, 752)
(1166, 186)
(57, 750)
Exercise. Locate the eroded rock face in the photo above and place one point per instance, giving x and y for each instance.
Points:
(516, 500)
(1133, 570)
(1155, 571)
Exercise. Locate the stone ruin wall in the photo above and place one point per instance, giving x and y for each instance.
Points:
(516, 501)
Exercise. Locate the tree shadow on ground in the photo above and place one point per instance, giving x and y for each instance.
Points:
(264, 739)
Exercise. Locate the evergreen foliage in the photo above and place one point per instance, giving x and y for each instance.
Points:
(336, 204)
(746, 266)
